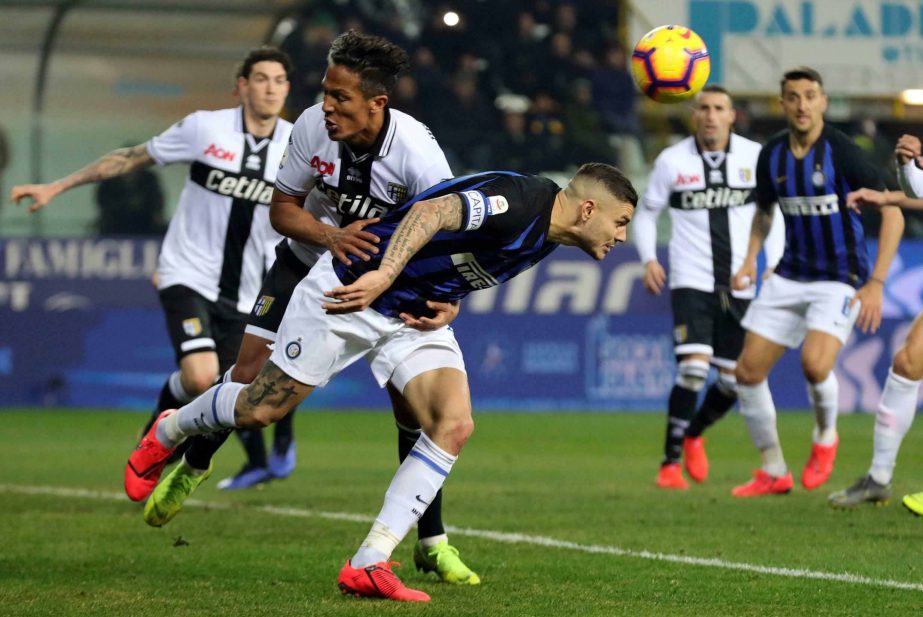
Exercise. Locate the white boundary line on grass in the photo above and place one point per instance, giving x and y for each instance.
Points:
(497, 536)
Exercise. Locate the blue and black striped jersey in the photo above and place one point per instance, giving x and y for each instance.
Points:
(505, 225)
(824, 240)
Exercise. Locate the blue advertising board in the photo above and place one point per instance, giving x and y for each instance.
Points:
(81, 325)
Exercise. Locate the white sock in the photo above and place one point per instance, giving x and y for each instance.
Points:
(212, 412)
(175, 383)
(759, 412)
(414, 486)
(896, 410)
(432, 541)
(823, 397)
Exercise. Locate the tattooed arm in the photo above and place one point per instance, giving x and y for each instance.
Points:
(759, 229)
(421, 223)
(116, 163)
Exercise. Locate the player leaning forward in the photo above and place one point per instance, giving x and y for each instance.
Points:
(824, 283)
(463, 234)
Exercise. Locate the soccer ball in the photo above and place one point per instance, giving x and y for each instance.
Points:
(670, 64)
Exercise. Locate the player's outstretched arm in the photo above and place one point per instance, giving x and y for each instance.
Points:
(871, 295)
(419, 225)
(870, 198)
(116, 163)
(288, 217)
(759, 229)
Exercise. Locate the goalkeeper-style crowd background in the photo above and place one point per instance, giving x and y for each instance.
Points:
(536, 86)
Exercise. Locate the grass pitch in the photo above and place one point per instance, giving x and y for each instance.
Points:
(582, 484)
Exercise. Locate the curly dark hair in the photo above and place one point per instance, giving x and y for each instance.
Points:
(264, 54)
(376, 60)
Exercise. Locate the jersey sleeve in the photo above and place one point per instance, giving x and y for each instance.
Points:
(774, 245)
(764, 193)
(911, 179)
(655, 199)
(429, 165)
(659, 186)
(500, 209)
(296, 176)
(177, 144)
(860, 173)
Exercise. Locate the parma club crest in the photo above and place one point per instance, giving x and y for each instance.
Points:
(397, 192)
(192, 326)
(263, 305)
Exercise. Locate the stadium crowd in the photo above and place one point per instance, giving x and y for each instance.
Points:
(514, 85)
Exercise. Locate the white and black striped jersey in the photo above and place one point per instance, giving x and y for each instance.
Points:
(220, 242)
(711, 209)
(343, 185)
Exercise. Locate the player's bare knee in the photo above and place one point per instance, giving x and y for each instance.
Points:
(747, 375)
(815, 370)
(907, 365)
(457, 431)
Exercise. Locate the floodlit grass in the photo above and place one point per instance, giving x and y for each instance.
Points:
(580, 478)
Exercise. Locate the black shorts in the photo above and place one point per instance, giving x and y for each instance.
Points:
(196, 324)
(709, 323)
(278, 285)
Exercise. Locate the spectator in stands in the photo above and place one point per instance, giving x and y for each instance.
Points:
(512, 147)
(465, 118)
(546, 125)
(615, 93)
(585, 139)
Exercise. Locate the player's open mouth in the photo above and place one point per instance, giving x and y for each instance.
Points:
(330, 126)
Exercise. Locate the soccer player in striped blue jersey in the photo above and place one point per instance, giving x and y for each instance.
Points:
(822, 286)
(898, 404)
(462, 235)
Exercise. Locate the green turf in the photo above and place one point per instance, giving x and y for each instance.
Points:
(583, 478)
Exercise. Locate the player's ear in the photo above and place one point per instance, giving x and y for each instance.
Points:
(587, 207)
(378, 103)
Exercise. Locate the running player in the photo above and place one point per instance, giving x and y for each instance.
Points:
(898, 404)
(823, 283)
(351, 159)
(461, 235)
(706, 180)
(220, 241)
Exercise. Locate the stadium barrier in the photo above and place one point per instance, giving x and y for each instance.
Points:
(81, 325)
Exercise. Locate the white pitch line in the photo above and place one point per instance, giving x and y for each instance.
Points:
(498, 536)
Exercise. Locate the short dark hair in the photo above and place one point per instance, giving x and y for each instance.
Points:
(719, 90)
(376, 60)
(801, 72)
(616, 183)
(264, 54)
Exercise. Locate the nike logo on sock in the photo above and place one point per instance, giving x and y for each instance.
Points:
(425, 503)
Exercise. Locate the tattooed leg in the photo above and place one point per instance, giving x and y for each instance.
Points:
(269, 398)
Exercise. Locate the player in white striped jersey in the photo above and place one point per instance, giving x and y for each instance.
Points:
(220, 241)
(350, 160)
(706, 181)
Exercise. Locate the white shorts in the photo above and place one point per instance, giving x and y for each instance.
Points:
(785, 310)
(313, 346)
